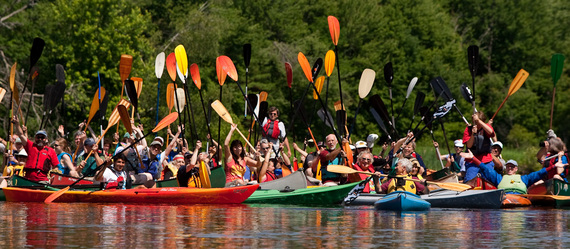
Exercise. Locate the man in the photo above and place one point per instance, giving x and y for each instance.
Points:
(333, 156)
(154, 160)
(275, 129)
(477, 138)
(455, 157)
(496, 149)
(400, 182)
(41, 158)
(87, 166)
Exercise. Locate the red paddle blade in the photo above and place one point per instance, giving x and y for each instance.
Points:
(166, 121)
(229, 67)
(334, 29)
(195, 73)
(220, 71)
(289, 71)
(171, 66)
(305, 66)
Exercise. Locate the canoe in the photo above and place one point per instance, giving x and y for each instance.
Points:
(308, 196)
(439, 174)
(18, 181)
(172, 195)
(514, 200)
(479, 183)
(547, 191)
(402, 201)
(296, 180)
(218, 177)
(471, 199)
(451, 178)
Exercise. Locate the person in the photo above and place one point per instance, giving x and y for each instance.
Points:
(307, 159)
(154, 159)
(41, 157)
(496, 149)
(360, 146)
(88, 165)
(267, 170)
(477, 138)
(364, 163)
(16, 148)
(416, 169)
(331, 156)
(555, 146)
(236, 160)
(189, 174)
(455, 157)
(114, 176)
(512, 182)
(409, 151)
(171, 169)
(275, 129)
(214, 153)
(65, 165)
(79, 140)
(18, 168)
(400, 182)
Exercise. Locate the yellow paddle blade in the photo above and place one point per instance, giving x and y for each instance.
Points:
(222, 111)
(95, 104)
(180, 100)
(220, 71)
(138, 85)
(13, 87)
(181, 59)
(319, 85)
(518, 81)
(55, 195)
(262, 96)
(305, 66)
(125, 66)
(334, 29)
(170, 96)
(165, 121)
(2, 93)
(329, 62)
(204, 176)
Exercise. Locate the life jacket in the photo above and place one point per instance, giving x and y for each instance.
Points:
(399, 183)
(269, 176)
(552, 162)
(120, 183)
(271, 128)
(64, 170)
(482, 145)
(513, 183)
(194, 181)
(41, 161)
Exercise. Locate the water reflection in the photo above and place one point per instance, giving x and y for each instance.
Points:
(139, 226)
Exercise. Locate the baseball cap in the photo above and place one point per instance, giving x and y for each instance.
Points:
(89, 142)
(458, 143)
(41, 132)
(360, 145)
(160, 139)
(513, 162)
(498, 144)
(156, 142)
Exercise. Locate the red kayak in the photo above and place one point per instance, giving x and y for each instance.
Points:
(172, 195)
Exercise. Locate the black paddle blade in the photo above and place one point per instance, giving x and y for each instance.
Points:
(247, 54)
(327, 119)
(379, 120)
(440, 88)
(36, 51)
(428, 115)
(388, 73)
(60, 73)
(57, 93)
(420, 97)
(102, 108)
(466, 93)
(376, 102)
(317, 68)
(48, 94)
(253, 100)
(263, 106)
(132, 93)
(444, 109)
(473, 59)
(341, 119)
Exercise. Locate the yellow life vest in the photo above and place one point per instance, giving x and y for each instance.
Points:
(19, 169)
(513, 183)
(409, 186)
(194, 182)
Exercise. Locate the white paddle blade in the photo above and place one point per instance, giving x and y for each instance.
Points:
(179, 100)
(222, 111)
(180, 75)
(411, 86)
(366, 82)
(256, 110)
(159, 65)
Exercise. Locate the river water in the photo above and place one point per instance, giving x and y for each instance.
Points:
(40, 225)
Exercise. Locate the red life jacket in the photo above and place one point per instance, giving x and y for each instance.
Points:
(552, 162)
(271, 128)
(269, 176)
(115, 184)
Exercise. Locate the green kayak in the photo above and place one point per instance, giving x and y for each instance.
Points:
(308, 196)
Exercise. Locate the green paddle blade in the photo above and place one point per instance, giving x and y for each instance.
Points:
(557, 63)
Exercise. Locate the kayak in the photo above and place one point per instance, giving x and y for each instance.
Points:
(308, 196)
(479, 183)
(171, 195)
(18, 181)
(296, 180)
(472, 199)
(451, 178)
(547, 192)
(514, 200)
(402, 201)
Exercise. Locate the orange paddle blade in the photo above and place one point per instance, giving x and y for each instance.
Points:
(518, 81)
(229, 67)
(170, 96)
(55, 195)
(171, 66)
(125, 65)
(13, 87)
(138, 85)
(334, 29)
(305, 66)
(195, 73)
(166, 121)
(124, 115)
(319, 85)
(348, 151)
(2, 93)
(329, 62)
(222, 111)
(262, 96)
(181, 59)
(220, 71)
(95, 104)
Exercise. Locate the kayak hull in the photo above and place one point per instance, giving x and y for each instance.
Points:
(308, 196)
(547, 191)
(402, 201)
(514, 200)
(296, 180)
(471, 199)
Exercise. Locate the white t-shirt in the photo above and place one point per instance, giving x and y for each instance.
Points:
(275, 141)
(111, 175)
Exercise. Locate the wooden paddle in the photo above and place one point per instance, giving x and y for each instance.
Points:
(125, 66)
(556, 197)
(364, 87)
(195, 73)
(246, 59)
(557, 64)
(225, 115)
(158, 70)
(517, 82)
(2, 93)
(163, 123)
(460, 187)
(408, 92)
(329, 67)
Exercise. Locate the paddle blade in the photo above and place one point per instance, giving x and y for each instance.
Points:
(2, 93)
(325, 118)
(222, 111)
(388, 73)
(125, 65)
(466, 93)
(253, 100)
(170, 96)
(114, 118)
(138, 85)
(305, 66)
(55, 195)
(340, 169)
(247, 54)
(376, 102)
(557, 64)
(334, 29)
(229, 67)
(124, 115)
(420, 97)
(289, 72)
(411, 86)
(340, 119)
(102, 107)
(181, 59)
(171, 66)
(518, 81)
(195, 73)
(165, 122)
(60, 73)
(36, 51)
(263, 106)
(319, 86)
(366, 82)
(440, 88)
(378, 119)
(317, 67)
(180, 100)
(47, 97)
(263, 96)
(57, 93)
(180, 74)
(159, 65)
(473, 59)
(329, 62)
(13, 87)
(220, 71)
(132, 92)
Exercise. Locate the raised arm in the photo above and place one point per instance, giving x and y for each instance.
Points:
(227, 151)
(19, 130)
(263, 168)
(173, 142)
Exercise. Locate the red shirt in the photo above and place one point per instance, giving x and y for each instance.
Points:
(40, 161)
(485, 158)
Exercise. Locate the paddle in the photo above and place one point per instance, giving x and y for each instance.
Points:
(182, 62)
(35, 53)
(473, 61)
(420, 97)
(557, 64)
(460, 187)
(180, 100)
(171, 69)
(389, 77)
(158, 70)
(125, 65)
(48, 94)
(169, 101)
(195, 73)
(340, 117)
(556, 197)
(254, 99)
(466, 93)
(60, 75)
(380, 122)
(221, 79)
(376, 102)
(2, 93)
(163, 123)
(56, 95)
(225, 115)
(334, 29)
(246, 59)
(329, 67)
(13, 99)
(517, 82)
(440, 88)
(94, 106)
(364, 87)
(132, 94)
(408, 92)
(325, 117)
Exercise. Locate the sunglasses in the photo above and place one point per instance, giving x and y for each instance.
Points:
(273, 113)
(265, 148)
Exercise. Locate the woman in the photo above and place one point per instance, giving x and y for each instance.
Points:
(364, 163)
(236, 161)
(114, 176)
(65, 165)
(556, 146)
(409, 151)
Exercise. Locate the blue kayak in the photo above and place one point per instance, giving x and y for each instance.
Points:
(402, 201)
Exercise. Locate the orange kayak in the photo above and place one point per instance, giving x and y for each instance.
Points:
(512, 200)
(171, 195)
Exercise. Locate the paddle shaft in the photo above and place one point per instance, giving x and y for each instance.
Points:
(552, 106)
(437, 150)
(193, 131)
(178, 110)
(220, 119)
(205, 115)
(354, 120)
(158, 101)
(500, 107)
(339, 89)
(32, 98)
